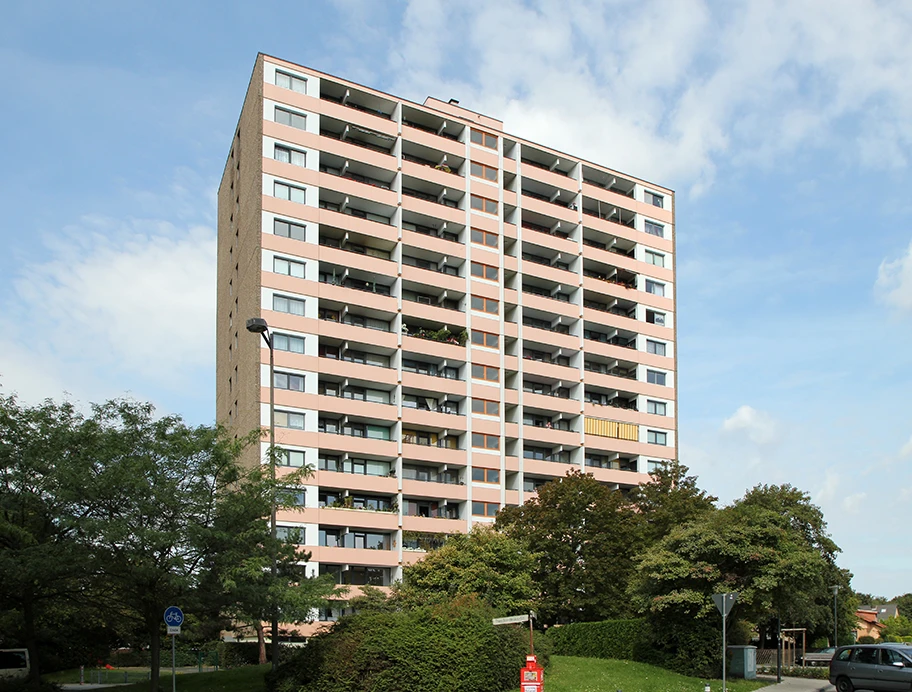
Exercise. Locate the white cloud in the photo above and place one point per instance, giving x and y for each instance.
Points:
(894, 281)
(906, 450)
(853, 504)
(666, 88)
(759, 427)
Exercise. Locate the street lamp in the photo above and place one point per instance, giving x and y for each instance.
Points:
(835, 628)
(257, 325)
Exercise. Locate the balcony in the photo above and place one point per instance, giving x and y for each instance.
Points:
(363, 137)
(609, 212)
(611, 275)
(358, 100)
(608, 181)
(356, 172)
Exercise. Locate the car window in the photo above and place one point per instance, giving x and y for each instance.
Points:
(844, 655)
(890, 657)
(866, 656)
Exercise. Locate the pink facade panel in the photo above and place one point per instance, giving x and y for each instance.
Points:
(433, 491)
(428, 139)
(355, 481)
(354, 556)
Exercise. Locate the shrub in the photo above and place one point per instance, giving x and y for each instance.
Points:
(866, 639)
(237, 654)
(450, 647)
(619, 639)
(814, 672)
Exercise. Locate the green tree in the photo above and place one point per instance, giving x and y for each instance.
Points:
(904, 604)
(771, 547)
(669, 500)
(896, 628)
(584, 538)
(485, 562)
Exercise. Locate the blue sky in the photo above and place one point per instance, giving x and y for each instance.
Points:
(784, 127)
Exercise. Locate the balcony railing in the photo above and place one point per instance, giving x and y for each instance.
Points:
(630, 283)
(430, 164)
(366, 286)
(415, 440)
(409, 192)
(603, 307)
(614, 403)
(557, 328)
(356, 106)
(425, 128)
(612, 218)
(609, 188)
(613, 341)
(544, 229)
(545, 198)
(612, 248)
(444, 336)
(374, 182)
(562, 297)
(536, 164)
(357, 142)
(369, 323)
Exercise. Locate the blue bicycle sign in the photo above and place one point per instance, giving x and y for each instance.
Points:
(174, 616)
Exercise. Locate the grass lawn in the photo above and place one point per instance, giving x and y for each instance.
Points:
(566, 674)
(571, 674)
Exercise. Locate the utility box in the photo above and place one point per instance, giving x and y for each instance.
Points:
(743, 662)
(532, 677)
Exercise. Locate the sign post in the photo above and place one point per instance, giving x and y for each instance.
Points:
(724, 602)
(531, 677)
(174, 618)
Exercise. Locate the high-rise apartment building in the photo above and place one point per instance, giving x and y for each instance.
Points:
(459, 315)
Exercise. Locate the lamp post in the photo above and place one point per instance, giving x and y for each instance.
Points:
(257, 325)
(835, 627)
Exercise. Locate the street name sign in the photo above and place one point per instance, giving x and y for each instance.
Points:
(512, 619)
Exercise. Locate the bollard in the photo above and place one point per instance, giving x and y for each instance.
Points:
(707, 688)
(82, 675)
(125, 677)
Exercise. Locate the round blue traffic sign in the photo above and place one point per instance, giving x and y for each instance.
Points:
(174, 616)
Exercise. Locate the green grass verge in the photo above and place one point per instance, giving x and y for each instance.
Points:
(571, 674)
(566, 674)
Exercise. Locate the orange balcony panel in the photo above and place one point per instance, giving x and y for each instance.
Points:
(569, 310)
(483, 492)
(483, 356)
(354, 152)
(434, 175)
(568, 280)
(437, 455)
(509, 198)
(557, 211)
(565, 341)
(511, 264)
(383, 485)
(619, 230)
(352, 296)
(511, 296)
(511, 464)
(433, 491)
(356, 556)
(543, 401)
(624, 478)
(609, 197)
(552, 469)
(485, 426)
(483, 391)
(511, 396)
(353, 188)
(356, 518)
(289, 246)
(511, 430)
(290, 284)
(350, 332)
(299, 174)
(434, 279)
(611, 444)
(293, 135)
(511, 363)
(653, 212)
(431, 383)
(486, 156)
(293, 210)
(444, 247)
(511, 330)
(330, 108)
(351, 407)
(433, 419)
(509, 230)
(281, 320)
(485, 255)
(486, 222)
(434, 313)
(283, 398)
(624, 415)
(284, 359)
(356, 445)
(428, 139)
(358, 225)
(509, 165)
(559, 372)
(433, 525)
(568, 186)
(628, 263)
(569, 249)
(485, 324)
(435, 348)
(511, 497)
(484, 288)
(432, 209)
(295, 438)
(355, 260)
(355, 371)
(549, 436)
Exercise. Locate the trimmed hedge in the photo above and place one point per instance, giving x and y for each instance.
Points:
(237, 654)
(450, 647)
(619, 639)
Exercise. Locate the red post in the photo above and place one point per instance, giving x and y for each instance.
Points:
(531, 678)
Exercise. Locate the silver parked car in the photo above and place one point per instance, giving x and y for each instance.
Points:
(878, 667)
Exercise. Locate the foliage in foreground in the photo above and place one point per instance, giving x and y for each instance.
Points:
(447, 647)
(617, 639)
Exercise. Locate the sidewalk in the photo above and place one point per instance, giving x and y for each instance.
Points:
(797, 685)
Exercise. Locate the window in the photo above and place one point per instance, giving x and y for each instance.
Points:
(289, 155)
(287, 419)
(654, 199)
(653, 465)
(655, 377)
(485, 372)
(290, 457)
(484, 204)
(654, 317)
(290, 534)
(284, 342)
(485, 509)
(292, 306)
(481, 441)
(484, 271)
(289, 192)
(656, 347)
(485, 304)
(654, 437)
(479, 170)
(655, 288)
(290, 118)
(485, 238)
(288, 267)
(289, 81)
(287, 380)
(655, 258)
(485, 407)
(286, 229)
(484, 139)
(486, 475)
(485, 339)
(655, 229)
(656, 407)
